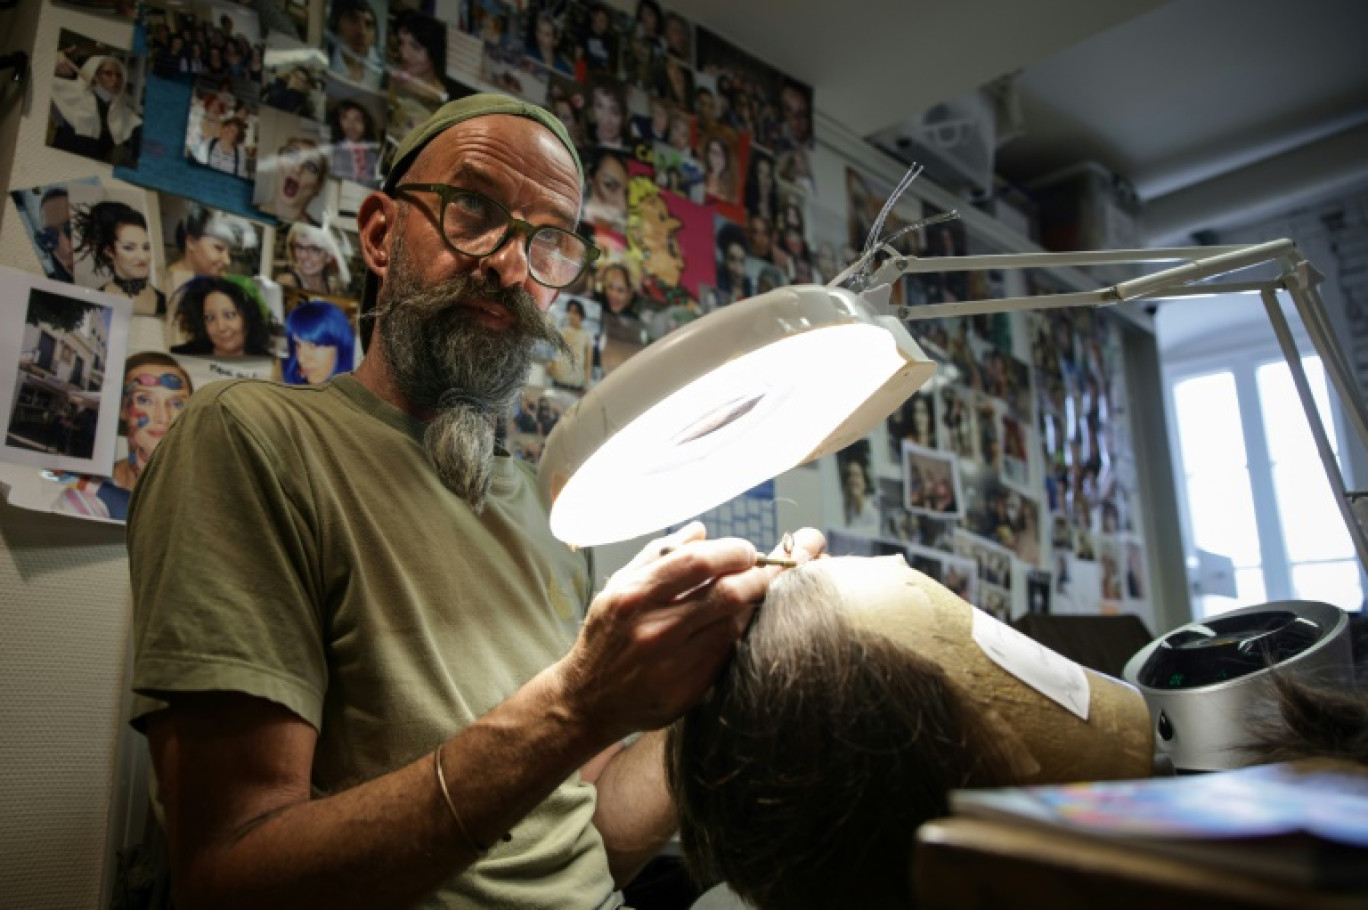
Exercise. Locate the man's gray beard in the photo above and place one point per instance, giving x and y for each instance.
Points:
(445, 361)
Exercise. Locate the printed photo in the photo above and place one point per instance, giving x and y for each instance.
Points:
(222, 130)
(96, 109)
(356, 41)
(293, 171)
(201, 241)
(320, 338)
(295, 77)
(222, 317)
(930, 481)
(859, 494)
(115, 251)
(56, 342)
(417, 54)
(46, 213)
(318, 260)
(579, 324)
(356, 126)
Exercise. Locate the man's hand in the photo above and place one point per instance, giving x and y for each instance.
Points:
(660, 631)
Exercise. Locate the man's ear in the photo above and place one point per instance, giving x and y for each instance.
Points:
(377, 220)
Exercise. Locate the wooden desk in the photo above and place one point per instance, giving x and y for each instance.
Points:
(962, 863)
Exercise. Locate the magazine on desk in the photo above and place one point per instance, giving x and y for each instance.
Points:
(1306, 825)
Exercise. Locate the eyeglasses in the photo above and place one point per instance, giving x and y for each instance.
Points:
(475, 225)
(150, 380)
(49, 237)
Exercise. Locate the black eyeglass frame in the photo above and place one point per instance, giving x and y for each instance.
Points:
(446, 193)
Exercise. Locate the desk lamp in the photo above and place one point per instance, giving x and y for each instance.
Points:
(774, 381)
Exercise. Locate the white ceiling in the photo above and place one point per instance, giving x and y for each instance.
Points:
(1216, 110)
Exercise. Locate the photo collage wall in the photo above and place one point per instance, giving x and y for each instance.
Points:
(1011, 476)
(243, 144)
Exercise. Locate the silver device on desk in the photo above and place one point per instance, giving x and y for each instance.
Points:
(1204, 681)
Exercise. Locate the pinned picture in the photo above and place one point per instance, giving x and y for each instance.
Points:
(46, 213)
(154, 390)
(605, 202)
(931, 482)
(320, 338)
(914, 421)
(859, 495)
(55, 342)
(318, 261)
(548, 45)
(417, 54)
(223, 317)
(204, 38)
(293, 171)
(201, 241)
(222, 130)
(577, 318)
(356, 127)
(294, 77)
(621, 333)
(356, 38)
(115, 251)
(724, 155)
(96, 109)
(733, 278)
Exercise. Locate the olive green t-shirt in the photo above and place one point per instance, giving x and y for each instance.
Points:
(293, 543)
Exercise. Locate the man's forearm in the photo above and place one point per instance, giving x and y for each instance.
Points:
(392, 840)
(635, 814)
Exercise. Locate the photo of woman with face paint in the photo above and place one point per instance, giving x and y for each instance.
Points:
(222, 317)
(113, 236)
(155, 391)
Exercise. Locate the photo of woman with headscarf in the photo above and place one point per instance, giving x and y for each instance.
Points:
(94, 113)
(113, 237)
(202, 241)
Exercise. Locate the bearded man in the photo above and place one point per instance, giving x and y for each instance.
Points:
(360, 661)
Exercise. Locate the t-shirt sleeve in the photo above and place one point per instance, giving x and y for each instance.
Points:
(226, 590)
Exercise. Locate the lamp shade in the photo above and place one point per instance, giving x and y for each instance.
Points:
(722, 404)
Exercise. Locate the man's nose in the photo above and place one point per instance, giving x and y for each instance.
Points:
(508, 264)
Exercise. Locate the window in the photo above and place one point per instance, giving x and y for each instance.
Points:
(1254, 488)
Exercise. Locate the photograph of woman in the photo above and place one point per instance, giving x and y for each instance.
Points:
(222, 317)
(762, 190)
(290, 182)
(200, 241)
(155, 391)
(418, 54)
(719, 169)
(572, 371)
(321, 343)
(608, 106)
(113, 237)
(859, 497)
(94, 111)
(355, 131)
(314, 261)
(544, 44)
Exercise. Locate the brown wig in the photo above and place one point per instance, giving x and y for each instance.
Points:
(1307, 719)
(802, 776)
